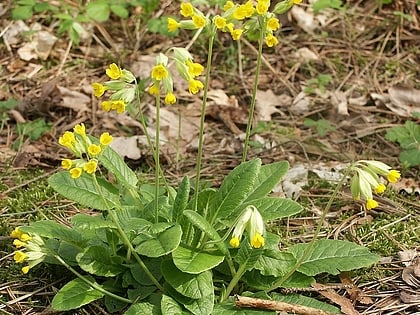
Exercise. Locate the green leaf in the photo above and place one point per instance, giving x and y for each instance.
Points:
(143, 308)
(119, 10)
(248, 256)
(408, 136)
(75, 294)
(154, 266)
(52, 229)
(195, 261)
(322, 126)
(198, 221)
(97, 260)
(411, 157)
(164, 241)
(333, 257)
(98, 10)
(268, 177)
(234, 190)
(272, 208)
(320, 5)
(83, 191)
(202, 306)
(256, 280)
(305, 301)
(22, 12)
(170, 306)
(83, 221)
(181, 199)
(189, 285)
(274, 263)
(116, 165)
(298, 280)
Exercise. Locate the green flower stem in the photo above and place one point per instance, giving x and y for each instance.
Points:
(202, 118)
(254, 89)
(233, 282)
(318, 229)
(125, 239)
(146, 133)
(92, 284)
(156, 156)
(203, 115)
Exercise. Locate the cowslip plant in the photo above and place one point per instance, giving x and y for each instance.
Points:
(157, 249)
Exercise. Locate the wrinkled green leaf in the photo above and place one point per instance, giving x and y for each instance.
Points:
(116, 165)
(274, 263)
(273, 208)
(234, 190)
(143, 308)
(333, 257)
(52, 229)
(141, 277)
(192, 286)
(181, 199)
(163, 242)
(83, 190)
(248, 256)
(97, 260)
(75, 294)
(170, 306)
(268, 177)
(195, 261)
(202, 306)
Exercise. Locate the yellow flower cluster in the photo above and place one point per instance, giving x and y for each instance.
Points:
(367, 180)
(84, 149)
(252, 221)
(196, 18)
(29, 249)
(123, 91)
(188, 69)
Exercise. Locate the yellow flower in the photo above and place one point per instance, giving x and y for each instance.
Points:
(18, 243)
(154, 90)
(80, 129)
(98, 89)
(105, 139)
(199, 21)
(228, 5)
(90, 167)
(19, 256)
(271, 40)
(244, 10)
(67, 139)
(106, 106)
(25, 237)
(262, 6)
(25, 270)
(114, 72)
(94, 149)
(380, 189)
(170, 98)
(119, 106)
(173, 25)
(194, 68)
(229, 26)
(297, 1)
(187, 9)
(194, 86)
(257, 241)
(273, 24)
(393, 176)
(236, 34)
(370, 204)
(76, 172)
(159, 72)
(219, 21)
(16, 233)
(234, 242)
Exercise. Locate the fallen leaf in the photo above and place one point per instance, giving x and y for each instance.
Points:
(356, 294)
(126, 147)
(304, 54)
(267, 103)
(339, 100)
(305, 19)
(294, 180)
(300, 104)
(74, 100)
(345, 304)
(404, 100)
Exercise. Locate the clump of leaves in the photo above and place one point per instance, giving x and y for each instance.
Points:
(322, 126)
(408, 136)
(320, 83)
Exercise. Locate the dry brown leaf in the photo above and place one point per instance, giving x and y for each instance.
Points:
(345, 304)
(126, 147)
(339, 100)
(409, 185)
(304, 18)
(404, 100)
(74, 100)
(304, 54)
(355, 293)
(267, 103)
(300, 104)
